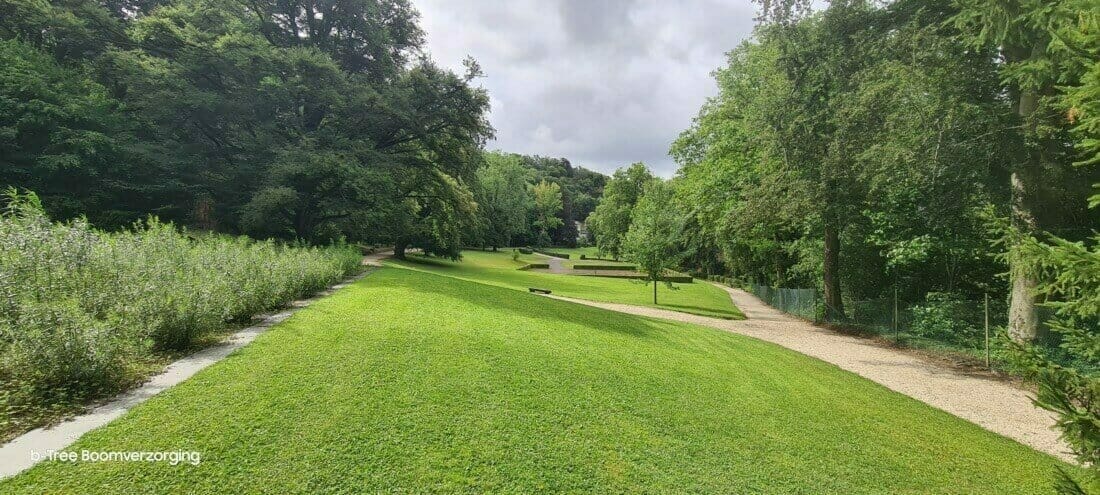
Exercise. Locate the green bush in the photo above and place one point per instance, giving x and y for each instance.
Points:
(83, 311)
(563, 256)
(526, 251)
(947, 317)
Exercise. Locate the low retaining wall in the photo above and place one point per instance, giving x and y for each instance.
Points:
(579, 266)
(679, 279)
(551, 253)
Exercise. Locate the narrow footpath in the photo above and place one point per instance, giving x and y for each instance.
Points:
(995, 405)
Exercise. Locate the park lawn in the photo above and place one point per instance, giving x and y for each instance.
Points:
(413, 382)
(499, 269)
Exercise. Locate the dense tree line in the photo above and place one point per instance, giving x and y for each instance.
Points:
(532, 200)
(311, 120)
(860, 146)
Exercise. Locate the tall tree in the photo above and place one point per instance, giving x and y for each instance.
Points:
(818, 56)
(1044, 46)
(502, 198)
(547, 196)
(611, 218)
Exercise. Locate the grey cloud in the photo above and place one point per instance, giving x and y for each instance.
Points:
(596, 22)
(602, 83)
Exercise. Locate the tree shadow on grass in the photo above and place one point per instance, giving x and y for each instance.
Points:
(426, 261)
(703, 311)
(524, 304)
(563, 284)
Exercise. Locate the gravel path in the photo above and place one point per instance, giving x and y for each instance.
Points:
(375, 259)
(994, 405)
(556, 265)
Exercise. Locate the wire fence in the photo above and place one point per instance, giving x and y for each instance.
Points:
(798, 302)
(935, 320)
(967, 327)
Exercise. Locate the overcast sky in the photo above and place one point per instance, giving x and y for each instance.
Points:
(603, 83)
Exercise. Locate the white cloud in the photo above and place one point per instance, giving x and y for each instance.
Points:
(603, 83)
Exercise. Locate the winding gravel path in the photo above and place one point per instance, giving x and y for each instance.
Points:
(994, 405)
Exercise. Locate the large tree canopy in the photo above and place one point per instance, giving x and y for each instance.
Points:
(610, 220)
(310, 120)
(508, 211)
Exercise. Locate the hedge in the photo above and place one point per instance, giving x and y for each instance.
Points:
(605, 267)
(551, 253)
(679, 279)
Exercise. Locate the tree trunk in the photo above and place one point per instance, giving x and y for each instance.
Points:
(399, 250)
(655, 292)
(834, 305)
(1023, 312)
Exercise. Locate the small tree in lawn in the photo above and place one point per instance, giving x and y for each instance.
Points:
(653, 238)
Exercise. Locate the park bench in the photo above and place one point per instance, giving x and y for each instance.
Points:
(539, 291)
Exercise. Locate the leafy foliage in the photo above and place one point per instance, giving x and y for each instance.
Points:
(610, 221)
(547, 196)
(298, 120)
(502, 199)
(83, 312)
(1070, 282)
(652, 241)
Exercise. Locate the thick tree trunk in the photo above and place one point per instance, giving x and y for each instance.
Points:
(834, 304)
(399, 250)
(1023, 312)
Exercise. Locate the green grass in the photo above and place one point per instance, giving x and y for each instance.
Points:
(492, 390)
(499, 269)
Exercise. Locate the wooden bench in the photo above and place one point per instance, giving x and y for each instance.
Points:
(538, 291)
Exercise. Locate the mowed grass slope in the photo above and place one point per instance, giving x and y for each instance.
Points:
(413, 382)
(498, 268)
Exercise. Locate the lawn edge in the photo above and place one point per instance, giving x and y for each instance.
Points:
(17, 456)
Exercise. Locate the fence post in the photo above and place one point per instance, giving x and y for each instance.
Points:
(816, 319)
(986, 329)
(897, 334)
